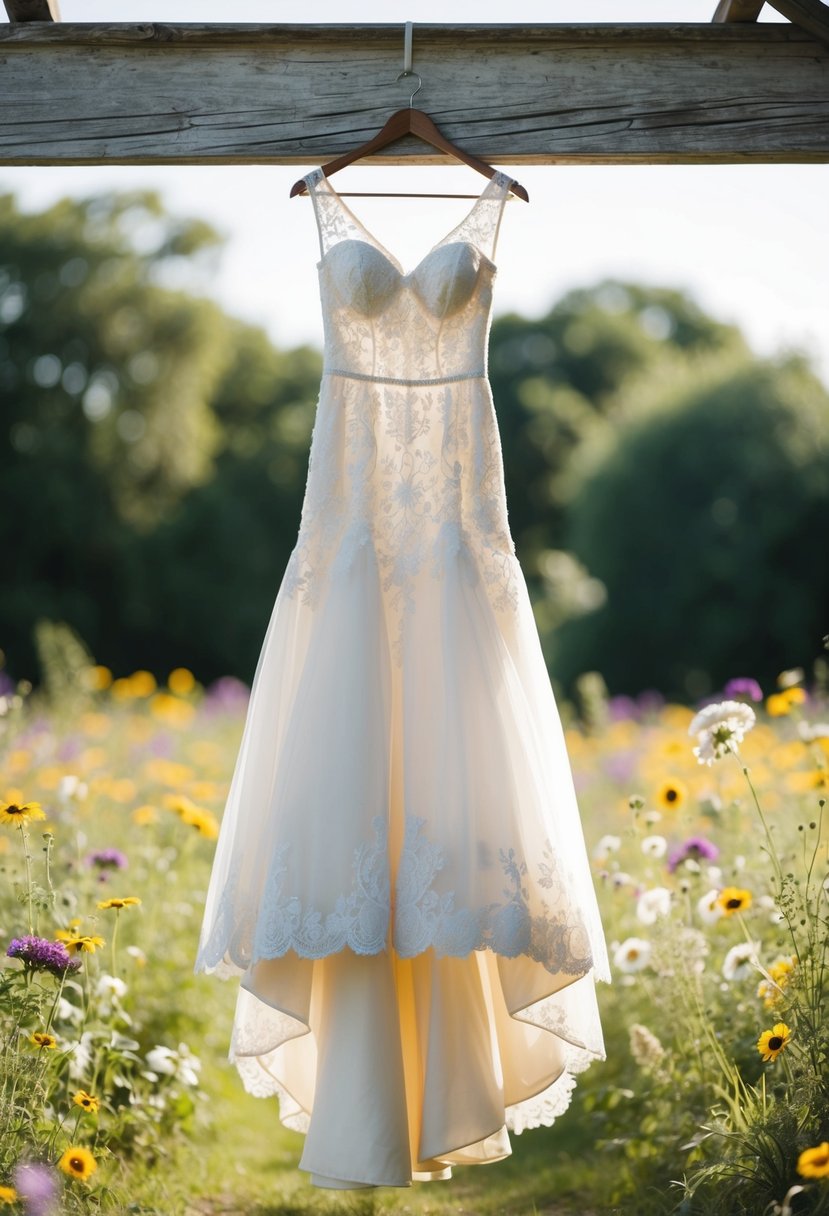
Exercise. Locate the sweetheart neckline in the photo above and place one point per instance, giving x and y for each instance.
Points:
(498, 178)
(353, 240)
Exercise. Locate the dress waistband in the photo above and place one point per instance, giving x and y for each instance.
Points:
(336, 371)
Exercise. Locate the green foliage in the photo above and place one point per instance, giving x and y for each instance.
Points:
(702, 517)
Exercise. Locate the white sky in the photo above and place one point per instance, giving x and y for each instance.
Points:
(748, 241)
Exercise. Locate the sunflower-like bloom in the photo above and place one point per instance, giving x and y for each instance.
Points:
(124, 902)
(814, 1162)
(8, 1194)
(671, 794)
(78, 1162)
(41, 1039)
(719, 728)
(20, 812)
(733, 899)
(77, 942)
(772, 1042)
(87, 1101)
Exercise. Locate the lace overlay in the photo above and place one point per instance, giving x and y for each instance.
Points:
(410, 464)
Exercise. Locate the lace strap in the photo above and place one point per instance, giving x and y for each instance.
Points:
(483, 223)
(334, 222)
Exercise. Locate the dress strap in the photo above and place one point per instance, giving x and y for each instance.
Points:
(483, 223)
(334, 222)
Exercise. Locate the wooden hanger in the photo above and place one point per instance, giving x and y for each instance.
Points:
(411, 122)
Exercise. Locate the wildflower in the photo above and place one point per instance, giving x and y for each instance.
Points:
(814, 1162)
(671, 794)
(181, 1064)
(78, 1162)
(39, 954)
(809, 731)
(86, 1101)
(708, 907)
(122, 902)
(181, 681)
(37, 1185)
(771, 990)
(719, 728)
(606, 846)
(105, 859)
(620, 879)
(645, 1047)
(41, 1039)
(772, 1042)
(654, 846)
(632, 955)
(110, 986)
(743, 686)
(20, 812)
(790, 677)
(653, 904)
(733, 899)
(76, 943)
(8, 1195)
(739, 961)
(693, 849)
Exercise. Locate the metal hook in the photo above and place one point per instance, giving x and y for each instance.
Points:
(419, 84)
(407, 60)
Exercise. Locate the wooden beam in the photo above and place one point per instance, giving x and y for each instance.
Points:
(811, 15)
(32, 10)
(738, 10)
(550, 94)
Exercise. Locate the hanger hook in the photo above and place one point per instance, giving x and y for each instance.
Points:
(409, 72)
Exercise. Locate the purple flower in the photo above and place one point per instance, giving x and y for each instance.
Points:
(106, 859)
(621, 707)
(39, 954)
(743, 686)
(36, 1184)
(697, 848)
(226, 695)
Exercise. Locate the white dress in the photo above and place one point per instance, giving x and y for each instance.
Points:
(400, 881)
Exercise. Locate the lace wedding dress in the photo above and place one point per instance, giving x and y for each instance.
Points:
(400, 882)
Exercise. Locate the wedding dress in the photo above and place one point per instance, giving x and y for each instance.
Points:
(400, 881)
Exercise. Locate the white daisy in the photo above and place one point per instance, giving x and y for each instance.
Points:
(654, 846)
(632, 955)
(719, 728)
(606, 846)
(709, 908)
(653, 904)
(740, 961)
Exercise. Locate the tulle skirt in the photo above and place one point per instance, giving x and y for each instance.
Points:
(400, 882)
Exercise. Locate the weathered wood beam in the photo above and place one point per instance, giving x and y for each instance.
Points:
(550, 94)
(811, 15)
(32, 10)
(738, 10)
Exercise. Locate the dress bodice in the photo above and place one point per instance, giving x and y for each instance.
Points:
(429, 324)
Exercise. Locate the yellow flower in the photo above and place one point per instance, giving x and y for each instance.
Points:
(672, 794)
(41, 1039)
(123, 902)
(8, 1194)
(144, 815)
(733, 899)
(87, 1101)
(98, 677)
(772, 1042)
(77, 942)
(181, 681)
(780, 703)
(78, 1162)
(814, 1162)
(17, 811)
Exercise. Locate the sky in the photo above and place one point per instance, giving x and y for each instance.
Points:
(748, 242)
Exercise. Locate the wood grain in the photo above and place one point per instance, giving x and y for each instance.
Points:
(554, 94)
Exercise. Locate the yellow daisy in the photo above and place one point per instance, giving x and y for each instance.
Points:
(41, 1039)
(814, 1162)
(19, 812)
(672, 794)
(78, 1162)
(77, 942)
(87, 1101)
(733, 899)
(123, 902)
(8, 1194)
(772, 1042)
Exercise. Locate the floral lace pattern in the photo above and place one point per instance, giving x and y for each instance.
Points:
(405, 454)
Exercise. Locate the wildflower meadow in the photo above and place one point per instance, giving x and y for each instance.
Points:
(707, 827)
